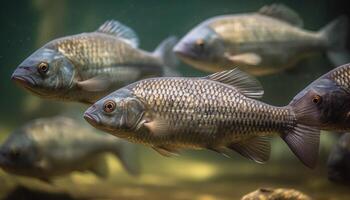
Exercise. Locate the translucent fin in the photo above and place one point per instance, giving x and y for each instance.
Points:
(157, 126)
(100, 167)
(95, 84)
(282, 12)
(335, 35)
(164, 51)
(113, 27)
(165, 151)
(256, 149)
(128, 157)
(243, 82)
(304, 142)
(245, 58)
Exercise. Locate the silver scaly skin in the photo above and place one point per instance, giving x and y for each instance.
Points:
(260, 43)
(217, 112)
(85, 67)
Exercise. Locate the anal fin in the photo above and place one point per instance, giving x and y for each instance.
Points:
(164, 151)
(257, 149)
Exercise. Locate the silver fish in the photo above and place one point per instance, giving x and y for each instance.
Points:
(217, 112)
(327, 100)
(260, 43)
(338, 163)
(88, 66)
(50, 147)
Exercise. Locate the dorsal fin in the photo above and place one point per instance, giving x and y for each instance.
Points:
(241, 81)
(282, 12)
(118, 29)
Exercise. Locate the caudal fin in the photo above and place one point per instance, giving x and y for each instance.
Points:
(335, 34)
(128, 156)
(303, 139)
(164, 51)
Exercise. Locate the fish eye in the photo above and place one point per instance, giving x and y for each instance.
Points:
(43, 67)
(316, 99)
(109, 106)
(200, 43)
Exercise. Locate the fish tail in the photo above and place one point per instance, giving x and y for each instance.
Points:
(164, 51)
(302, 138)
(128, 156)
(335, 34)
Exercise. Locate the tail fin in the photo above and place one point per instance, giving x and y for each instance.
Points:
(335, 34)
(128, 156)
(303, 139)
(164, 51)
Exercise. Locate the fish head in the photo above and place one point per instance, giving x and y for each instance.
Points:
(19, 154)
(325, 105)
(118, 113)
(202, 47)
(45, 73)
(338, 163)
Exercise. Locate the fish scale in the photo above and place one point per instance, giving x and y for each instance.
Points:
(219, 112)
(218, 106)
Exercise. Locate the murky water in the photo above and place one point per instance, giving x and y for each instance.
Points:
(199, 175)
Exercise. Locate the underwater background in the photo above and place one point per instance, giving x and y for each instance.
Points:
(202, 175)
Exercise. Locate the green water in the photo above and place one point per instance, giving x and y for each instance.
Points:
(202, 175)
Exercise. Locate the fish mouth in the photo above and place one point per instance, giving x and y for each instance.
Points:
(91, 119)
(25, 81)
(183, 51)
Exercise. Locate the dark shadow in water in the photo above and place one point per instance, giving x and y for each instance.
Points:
(23, 193)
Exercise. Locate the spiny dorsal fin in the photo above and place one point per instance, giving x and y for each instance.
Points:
(241, 81)
(282, 12)
(257, 149)
(118, 29)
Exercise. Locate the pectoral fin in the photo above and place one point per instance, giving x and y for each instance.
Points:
(157, 126)
(95, 84)
(245, 58)
(256, 149)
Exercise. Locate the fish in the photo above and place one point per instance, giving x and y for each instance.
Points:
(261, 43)
(276, 194)
(219, 112)
(46, 148)
(338, 163)
(87, 66)
(327, 100)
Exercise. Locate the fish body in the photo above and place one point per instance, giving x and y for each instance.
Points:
(276, 194)
(328, 100)
(217, 112)
(87, 66)
(338, 163)
(51, 147)
(260, 43)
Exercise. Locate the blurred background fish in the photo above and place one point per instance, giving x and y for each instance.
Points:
(339, 161)
(51, 147)
(87, 66)
(261, 43)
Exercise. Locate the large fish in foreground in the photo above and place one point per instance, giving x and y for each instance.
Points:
(218, 112)
(51, 147)
(339, 161)
(263, 42)
(327, 100)
(88, 66)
